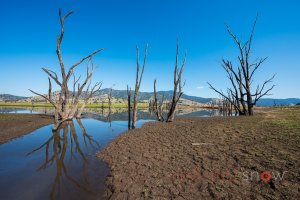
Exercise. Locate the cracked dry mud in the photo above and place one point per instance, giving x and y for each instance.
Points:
(159, 161)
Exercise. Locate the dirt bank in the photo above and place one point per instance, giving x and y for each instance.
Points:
(208, 158)
(16, 125)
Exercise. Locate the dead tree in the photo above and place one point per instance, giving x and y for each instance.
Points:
(178, 85)
(235, 93)
(231, 105)
(109, 98)
(158, 105)
(109, 106)
(90, 91)
(249, 68)
(129, 105)
(243, 76)
(138, 80)
(56, 104)
(88, 94)
(75, 100)
(151, 105)
(65, 107)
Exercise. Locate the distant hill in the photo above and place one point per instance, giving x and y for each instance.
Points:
(143, 96)
(278, 102)
(9, 97)
(121, 96)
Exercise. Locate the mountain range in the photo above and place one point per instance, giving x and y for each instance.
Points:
(9, 97)
(145, 96)
(121, 95)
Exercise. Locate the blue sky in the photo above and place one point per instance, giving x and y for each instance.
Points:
(29, 30)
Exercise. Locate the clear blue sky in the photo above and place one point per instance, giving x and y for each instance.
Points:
(29, 30)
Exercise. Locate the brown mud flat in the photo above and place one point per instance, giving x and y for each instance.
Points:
(16, 125)
(208, 158)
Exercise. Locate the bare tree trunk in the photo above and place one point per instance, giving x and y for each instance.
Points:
(135, 107)
(129, 105)
(158, 108)
(249, 102)
(138, 81)
(79, 113)
(56, 120)
(109, 98)
(177, 86)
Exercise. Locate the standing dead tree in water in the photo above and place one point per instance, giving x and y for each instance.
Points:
(129, 105)
(138, 80)
(243, 76)
(64, 105)
(109, 98)
(178, 85)
(88, 94)
(109, 105)
(102, 105)
(158, 105)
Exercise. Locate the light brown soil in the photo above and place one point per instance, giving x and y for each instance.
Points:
(159, 161)
(17, 125)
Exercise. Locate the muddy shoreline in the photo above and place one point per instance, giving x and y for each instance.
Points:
(208, 158)
(17, 125)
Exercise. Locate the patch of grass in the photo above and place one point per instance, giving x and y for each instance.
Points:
(288, 117)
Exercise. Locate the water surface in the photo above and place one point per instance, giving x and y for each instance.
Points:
(58, 165)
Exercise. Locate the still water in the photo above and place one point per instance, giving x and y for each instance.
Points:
(62, 164)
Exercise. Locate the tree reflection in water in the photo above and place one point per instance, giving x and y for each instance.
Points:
(56, 152)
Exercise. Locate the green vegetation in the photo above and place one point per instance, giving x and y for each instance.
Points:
(287, 117)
